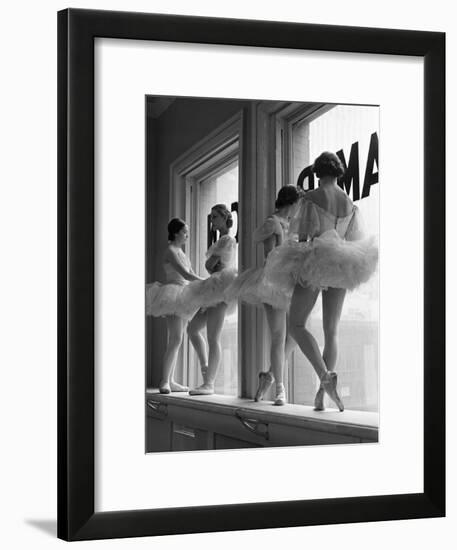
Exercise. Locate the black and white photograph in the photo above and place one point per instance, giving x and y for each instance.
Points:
(262, 273)
(224, 275)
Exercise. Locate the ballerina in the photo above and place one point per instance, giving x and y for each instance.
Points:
(252, 287)
(331, 257)
(210, 297)
(171, 300)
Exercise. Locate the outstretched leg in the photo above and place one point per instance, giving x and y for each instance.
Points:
(303, 301)
(175, 333)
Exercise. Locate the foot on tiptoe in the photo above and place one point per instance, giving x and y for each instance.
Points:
(174, 386)
(329, 381)
(164, 387)
(204, 389)
(266, 379)
(280, 398)
(319, 399)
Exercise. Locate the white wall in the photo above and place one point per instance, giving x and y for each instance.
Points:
(28, 270)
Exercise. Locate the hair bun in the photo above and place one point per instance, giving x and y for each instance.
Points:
(287, 196)
(174, 227)
(328, 164)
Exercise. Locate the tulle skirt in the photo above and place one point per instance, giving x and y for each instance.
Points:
(212, 291)
(326, 261)
(254, 288)
(169, 299)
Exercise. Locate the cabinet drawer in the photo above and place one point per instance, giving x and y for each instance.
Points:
(281, 435)
(187, 438)
(229, 425)
(158, 435)
(225, 442)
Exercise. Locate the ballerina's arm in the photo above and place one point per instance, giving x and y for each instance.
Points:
(182, 269)
(220, 254)
(269, 234)
(212, 263)
(355, 230)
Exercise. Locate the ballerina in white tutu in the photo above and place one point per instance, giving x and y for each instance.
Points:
(331, 256)
(252, 287)
(211, 299)
(171, 300)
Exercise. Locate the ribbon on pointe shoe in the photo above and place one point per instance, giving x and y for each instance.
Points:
(329, 381)
(266, 379)
(319, 399)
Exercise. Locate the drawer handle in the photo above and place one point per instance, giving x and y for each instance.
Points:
(160, 409)
(254, 426)
(184, 430)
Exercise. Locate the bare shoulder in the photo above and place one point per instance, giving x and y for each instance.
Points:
(312, 194)
(343, 200)
(315, 196)
(170, 254)
(272, 224)
(334, 200)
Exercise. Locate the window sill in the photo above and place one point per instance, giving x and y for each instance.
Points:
(350, 426)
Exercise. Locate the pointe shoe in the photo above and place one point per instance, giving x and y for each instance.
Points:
(266, 379)
(329, 381)
(280, 398)
(319, 399)
(164, 388)
(204, 389)
(175, 387)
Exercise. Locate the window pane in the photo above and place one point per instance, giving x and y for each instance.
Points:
(220, 188)
(342, 130)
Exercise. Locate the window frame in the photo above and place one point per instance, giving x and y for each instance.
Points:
(193, 183)
(207, 157)
(193, 180)
(260, 137)
(286, 119)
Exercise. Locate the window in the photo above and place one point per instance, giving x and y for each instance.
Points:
(352, 133)
(205, 174)
(277, 144)
(218, 187)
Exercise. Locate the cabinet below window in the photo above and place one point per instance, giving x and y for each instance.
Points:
(179, 422)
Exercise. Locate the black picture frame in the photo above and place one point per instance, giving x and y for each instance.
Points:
(76, 32)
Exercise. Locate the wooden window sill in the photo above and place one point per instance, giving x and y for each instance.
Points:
(352, 426)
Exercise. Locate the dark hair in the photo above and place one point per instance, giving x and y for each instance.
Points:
(174, 227)
(287, 196)
(328, 164)
(225, 213)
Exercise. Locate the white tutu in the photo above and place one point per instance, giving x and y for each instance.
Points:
(169, 299)
(254, 288)
(211, 291)
(326, 261)
(283, 263)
